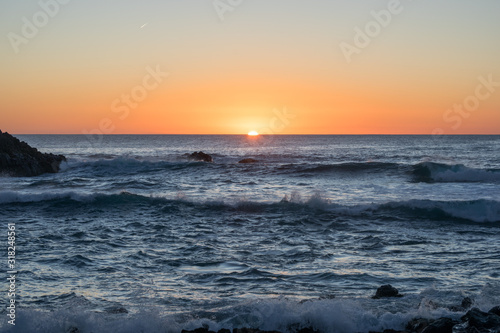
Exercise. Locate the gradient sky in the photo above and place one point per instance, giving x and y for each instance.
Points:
(234, 68)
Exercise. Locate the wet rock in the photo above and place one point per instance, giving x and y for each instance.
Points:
(482, 321)
(386, 291)
(417, 325)
(466, 304)
(116, 310)
(495, 310)
(307, 330)
(441, 325)
(251, 330)
(198, 330)
(298, 328)
(19, 159)
(327, 296)
(248, 160)
(200, 156)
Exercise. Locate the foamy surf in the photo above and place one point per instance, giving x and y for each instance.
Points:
(134, 236)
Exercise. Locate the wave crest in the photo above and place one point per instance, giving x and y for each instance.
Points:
(480, 210)
(439, 172)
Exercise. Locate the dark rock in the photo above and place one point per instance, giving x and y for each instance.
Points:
(441, 325)
(466, 304)
(116, 310)
(19, 159)
(495, 310)
(307, 330)
(248, 160)
(386, 291)
(327, 296)
(417, 325)
(298, 328)
(481, 320)
(251, 330)
(200, 156)
(198, 330)
(73, 330)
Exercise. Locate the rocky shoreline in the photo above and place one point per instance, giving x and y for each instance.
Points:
(474, 321)
(18, 159)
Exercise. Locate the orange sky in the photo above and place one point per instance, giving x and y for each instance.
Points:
(236, 71)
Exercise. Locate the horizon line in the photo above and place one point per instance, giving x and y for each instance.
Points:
(245, 134)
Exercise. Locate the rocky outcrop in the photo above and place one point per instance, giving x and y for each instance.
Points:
(248, 160)
(19, 159)
(474, 321)
(467, 303)
(495, 310)
(386, 291)
(200, 156)
(248, 330)
(441, 325)
(482, 321)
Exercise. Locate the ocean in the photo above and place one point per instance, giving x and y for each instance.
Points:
(131, 236)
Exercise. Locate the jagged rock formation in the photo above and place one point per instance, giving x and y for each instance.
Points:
(200, 156)
(19, 159)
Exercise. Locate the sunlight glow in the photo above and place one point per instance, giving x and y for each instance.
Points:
(253, 133)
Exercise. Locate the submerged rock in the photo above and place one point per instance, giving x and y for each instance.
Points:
(248, 160)
(386, 291)
(200, 156)
(19, 159)
(116, 310)
(73, 329)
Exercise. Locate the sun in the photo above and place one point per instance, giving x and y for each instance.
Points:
(253, 133)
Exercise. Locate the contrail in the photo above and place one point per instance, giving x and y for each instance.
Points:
(145, 24)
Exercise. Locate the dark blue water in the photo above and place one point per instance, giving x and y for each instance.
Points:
(132, 236)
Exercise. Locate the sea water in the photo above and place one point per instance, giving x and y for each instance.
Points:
(132, 236)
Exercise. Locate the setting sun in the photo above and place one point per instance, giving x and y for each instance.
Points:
(253, 133)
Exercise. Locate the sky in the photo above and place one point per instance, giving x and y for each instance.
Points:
(232, 66)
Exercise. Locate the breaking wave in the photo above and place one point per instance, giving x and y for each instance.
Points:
(481, 210)
(439, 172)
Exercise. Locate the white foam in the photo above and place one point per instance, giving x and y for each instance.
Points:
(282, 314)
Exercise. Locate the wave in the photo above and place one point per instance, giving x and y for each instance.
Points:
(342, 167)
(439, 172)
(128, 166)
(431, 172)
(329, 315)
(480, 210)
(474, 210)
(421, 172)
